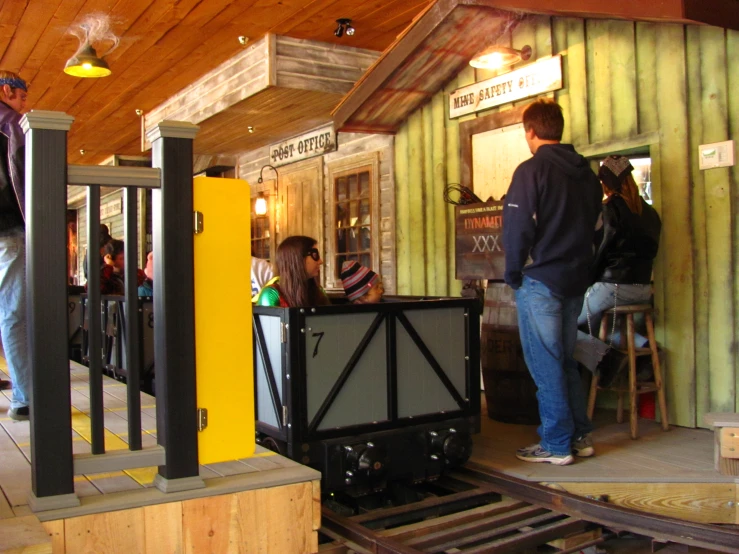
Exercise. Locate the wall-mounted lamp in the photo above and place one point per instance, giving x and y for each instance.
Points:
(87, 64)
(345, 26)
(496, 57)
(260, 205)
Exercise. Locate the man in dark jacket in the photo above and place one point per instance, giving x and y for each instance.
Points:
(13, 91)
(550, 215)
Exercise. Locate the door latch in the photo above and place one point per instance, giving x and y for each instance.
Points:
(198, 222)
(202, 418)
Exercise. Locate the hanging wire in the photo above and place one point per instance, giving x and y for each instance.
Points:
(459, 195)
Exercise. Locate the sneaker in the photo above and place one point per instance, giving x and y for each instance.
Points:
(583, 447)
(19, 414)
(535, 453)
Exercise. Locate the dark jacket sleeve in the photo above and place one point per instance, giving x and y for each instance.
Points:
(519, 225)
(610, 234)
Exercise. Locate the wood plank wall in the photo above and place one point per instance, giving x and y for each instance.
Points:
(350, 145)
(273, 519)
(622, 79)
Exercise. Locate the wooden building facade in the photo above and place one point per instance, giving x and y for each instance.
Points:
(654, 89)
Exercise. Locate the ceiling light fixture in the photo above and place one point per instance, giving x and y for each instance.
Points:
(243, 40)
(87, 64)
(345, 26)
(497, 57)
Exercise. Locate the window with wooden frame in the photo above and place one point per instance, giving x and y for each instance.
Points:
(354, 216)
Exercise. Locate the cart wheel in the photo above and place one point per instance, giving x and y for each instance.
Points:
(271, 444)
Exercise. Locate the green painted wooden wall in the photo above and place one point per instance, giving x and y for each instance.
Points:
(621, 80)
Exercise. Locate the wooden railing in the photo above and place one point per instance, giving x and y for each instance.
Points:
(53, 464)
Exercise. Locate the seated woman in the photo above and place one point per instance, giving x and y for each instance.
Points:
(622, 271)
(298, 265)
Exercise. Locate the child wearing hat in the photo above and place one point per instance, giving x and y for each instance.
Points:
(361, 284)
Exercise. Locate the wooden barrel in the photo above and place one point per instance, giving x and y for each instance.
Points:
(509, 389)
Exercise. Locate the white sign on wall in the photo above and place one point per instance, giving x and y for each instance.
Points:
(109, 209)
(543, 76)
(313, 143)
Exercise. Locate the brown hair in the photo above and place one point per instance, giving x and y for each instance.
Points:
(295, 286)
(627, 190)
(545, 118)
(5, 74)
(114, 247)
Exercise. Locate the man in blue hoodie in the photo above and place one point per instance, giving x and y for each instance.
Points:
(550, 215)
(13, 91)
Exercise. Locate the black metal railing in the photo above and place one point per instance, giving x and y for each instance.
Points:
(47, 177)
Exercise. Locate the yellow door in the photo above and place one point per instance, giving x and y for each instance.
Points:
(223, 329)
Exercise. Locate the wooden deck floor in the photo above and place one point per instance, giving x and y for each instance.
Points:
(679, 455)
(15, 449)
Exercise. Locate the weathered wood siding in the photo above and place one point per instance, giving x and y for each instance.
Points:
(624, 81)
(350, 145)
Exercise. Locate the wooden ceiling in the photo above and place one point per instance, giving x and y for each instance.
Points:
(165, 45)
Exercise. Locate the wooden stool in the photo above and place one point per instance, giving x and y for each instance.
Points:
(635, 388)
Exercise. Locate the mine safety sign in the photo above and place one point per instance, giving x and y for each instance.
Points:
(537, 78)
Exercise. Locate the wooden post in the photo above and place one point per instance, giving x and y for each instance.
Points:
(174, 306)
(52, 472)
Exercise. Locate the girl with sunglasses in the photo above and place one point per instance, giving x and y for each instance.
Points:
(298, 265)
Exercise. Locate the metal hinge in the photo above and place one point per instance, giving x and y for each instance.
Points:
(284, 416)
(198, 222)
(283, 331)
(202, 418)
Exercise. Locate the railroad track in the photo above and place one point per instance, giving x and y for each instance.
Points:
(483, 511)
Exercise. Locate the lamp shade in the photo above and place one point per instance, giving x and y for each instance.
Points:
(496, 57)
(260, 205)
(87, 64)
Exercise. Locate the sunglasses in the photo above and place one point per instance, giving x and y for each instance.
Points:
(313, 253)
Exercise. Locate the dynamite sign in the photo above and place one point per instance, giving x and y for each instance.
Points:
(479, 241)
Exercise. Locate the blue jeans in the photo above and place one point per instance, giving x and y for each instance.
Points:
(548, 326)
(13, 313)
(601, 297)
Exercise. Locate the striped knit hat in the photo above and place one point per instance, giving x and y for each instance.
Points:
(357, 279)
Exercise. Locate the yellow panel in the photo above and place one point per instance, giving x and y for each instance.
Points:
(223, 334)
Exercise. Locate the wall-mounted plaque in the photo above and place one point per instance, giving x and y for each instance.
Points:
(478, 241)
(537, 78)
(313, 143)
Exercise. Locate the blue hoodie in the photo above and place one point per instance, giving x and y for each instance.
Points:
(549, 216)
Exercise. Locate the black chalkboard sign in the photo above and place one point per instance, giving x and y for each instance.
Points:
(478, 242)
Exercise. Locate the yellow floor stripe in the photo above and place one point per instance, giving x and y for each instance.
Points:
(81, 423)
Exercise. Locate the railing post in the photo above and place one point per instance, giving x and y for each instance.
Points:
(174, 306)
(52, 469)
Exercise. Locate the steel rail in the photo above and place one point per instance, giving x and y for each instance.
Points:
(662, 528)
(361, 530)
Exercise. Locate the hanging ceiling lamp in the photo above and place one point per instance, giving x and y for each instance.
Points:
(497, 57)
(86, 63)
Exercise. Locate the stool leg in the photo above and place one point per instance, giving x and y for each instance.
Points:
(604, 327)
(658, 382)
(593, 394)
(632, 375)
